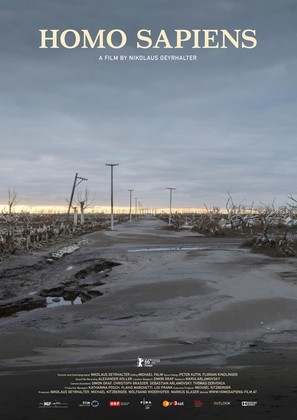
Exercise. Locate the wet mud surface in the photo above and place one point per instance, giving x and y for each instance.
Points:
(140, 287)
(178, 297)
(27, 287)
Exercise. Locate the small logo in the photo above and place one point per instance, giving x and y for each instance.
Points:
(118, 403)
(53, 404)
(140, 361)
(95, 403)
(146, 362)
(85, 404)
(146, 404)
(248, 403)
(222, 403)
(198, 403)
(166, 403)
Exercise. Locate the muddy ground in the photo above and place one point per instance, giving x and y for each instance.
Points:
(179, 297)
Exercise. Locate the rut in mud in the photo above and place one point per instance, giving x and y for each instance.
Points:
(22, 288)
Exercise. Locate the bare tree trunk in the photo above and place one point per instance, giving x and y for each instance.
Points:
(75, 216)
(12, 200)
(82, 216)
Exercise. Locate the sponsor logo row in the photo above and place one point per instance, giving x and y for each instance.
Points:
(146, 403)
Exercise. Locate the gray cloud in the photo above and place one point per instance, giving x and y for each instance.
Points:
(223, 123)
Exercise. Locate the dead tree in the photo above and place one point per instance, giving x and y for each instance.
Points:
(84, 203)
(11, 220)
(292, 206)
(12, 200)
(235, 213)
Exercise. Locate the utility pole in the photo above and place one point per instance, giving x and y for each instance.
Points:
(135, 207)
(170, 204)
(131, 205)
(111, 191)
(75, 184)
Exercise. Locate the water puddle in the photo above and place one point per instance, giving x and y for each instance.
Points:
(168, 249)
(79, 288)
(54, 301)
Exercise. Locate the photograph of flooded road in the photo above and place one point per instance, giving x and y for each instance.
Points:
(148, 210)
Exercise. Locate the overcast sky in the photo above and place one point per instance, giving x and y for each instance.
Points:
(224, 123)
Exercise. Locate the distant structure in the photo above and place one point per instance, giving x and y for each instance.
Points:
(111, 191)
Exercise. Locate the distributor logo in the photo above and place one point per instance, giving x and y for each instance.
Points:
(248, 403)
(166, 403)
(118, 403)
(222, 403)
(53, 404)
(85, 404)
(146, 404)
(198, 403)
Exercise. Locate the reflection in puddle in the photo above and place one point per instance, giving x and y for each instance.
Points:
(53, 301)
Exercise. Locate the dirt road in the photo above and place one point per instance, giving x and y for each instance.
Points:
(186, 300)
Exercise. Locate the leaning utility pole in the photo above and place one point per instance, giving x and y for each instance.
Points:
(75, 184)
(111, 191)
(170, 204)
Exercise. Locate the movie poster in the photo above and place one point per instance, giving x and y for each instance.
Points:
(148, 209)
